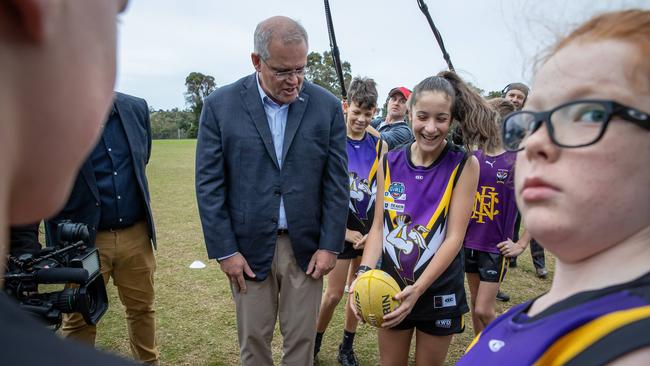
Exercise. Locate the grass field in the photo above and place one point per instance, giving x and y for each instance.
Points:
(194, 310)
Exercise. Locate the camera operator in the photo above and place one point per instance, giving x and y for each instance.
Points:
(57, 66)
(111, 196)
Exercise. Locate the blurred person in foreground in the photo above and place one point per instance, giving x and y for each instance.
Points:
(58, 70)
(581, 184)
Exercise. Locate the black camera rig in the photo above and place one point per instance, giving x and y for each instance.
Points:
(73, 261)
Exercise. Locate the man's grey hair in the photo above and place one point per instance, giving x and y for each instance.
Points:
(289, 31)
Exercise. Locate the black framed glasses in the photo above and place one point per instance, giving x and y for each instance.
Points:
(575, 124)
(284, 75)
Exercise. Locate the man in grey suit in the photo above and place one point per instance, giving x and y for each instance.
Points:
(271, 184)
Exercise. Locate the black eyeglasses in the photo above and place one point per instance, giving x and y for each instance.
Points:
(575, 124)
(284, 75)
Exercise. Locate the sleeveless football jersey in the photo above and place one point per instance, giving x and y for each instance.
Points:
(495, 209)
(416, 207)
(589, 328)
(363, 159)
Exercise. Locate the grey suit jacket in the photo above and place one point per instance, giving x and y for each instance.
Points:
(239, 182)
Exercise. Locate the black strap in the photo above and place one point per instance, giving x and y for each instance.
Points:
(436, 33)
(335, 50)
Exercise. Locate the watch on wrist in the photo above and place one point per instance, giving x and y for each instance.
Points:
(362, 268)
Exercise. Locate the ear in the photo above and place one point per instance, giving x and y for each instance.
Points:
(255, 58)
(32, 17)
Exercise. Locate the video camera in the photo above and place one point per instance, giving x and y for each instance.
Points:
(71, 260)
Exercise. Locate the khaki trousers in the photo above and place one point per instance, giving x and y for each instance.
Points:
(289, 293)
(126, 256)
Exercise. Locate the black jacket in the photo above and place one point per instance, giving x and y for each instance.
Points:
(84, 204)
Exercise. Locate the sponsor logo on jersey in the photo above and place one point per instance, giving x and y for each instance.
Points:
(444, 301)
(392, 206)
(443, 323)
(491, 272)
(397, 191)
(419, 177)
(502, 175)
(496, 345)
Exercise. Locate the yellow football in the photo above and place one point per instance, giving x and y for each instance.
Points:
(373, 296)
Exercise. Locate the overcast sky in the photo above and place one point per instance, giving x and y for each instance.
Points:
(491, 43)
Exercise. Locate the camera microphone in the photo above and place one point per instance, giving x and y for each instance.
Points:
(61, 275)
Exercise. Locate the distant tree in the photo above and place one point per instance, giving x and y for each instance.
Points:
(320, 70)
(198, 86)
(171, 124)
(493, 94)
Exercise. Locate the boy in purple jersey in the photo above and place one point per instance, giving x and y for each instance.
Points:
(581, 184)
(492, 223)
(426, 191)
(364, 151)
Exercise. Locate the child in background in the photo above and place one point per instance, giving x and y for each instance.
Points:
(492, 222)
(364, 152)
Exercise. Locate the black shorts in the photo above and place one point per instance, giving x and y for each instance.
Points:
(349, 252)
(435, 327)
(491, 267)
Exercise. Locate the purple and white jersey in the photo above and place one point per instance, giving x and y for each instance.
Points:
(495, 209)
(589, 328)
(416, 207)
(363, 159)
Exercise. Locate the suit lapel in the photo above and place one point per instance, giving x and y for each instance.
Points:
(253, 105)
(296, 111)
(88, 174)
(127, 114)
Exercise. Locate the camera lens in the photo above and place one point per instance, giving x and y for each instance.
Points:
(90, 303)
(73, 232)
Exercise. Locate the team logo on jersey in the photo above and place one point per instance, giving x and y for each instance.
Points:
(496, 345)
(502, 175)
(397, 191)
(410, 245)
(359, 187)
(405, 239)
(485, 204)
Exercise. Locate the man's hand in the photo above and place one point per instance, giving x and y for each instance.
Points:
(510, 249)
(321, 263)
(234, 267)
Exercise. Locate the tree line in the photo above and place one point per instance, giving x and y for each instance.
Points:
(183, 124)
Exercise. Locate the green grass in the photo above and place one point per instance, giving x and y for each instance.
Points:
(194, 311)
